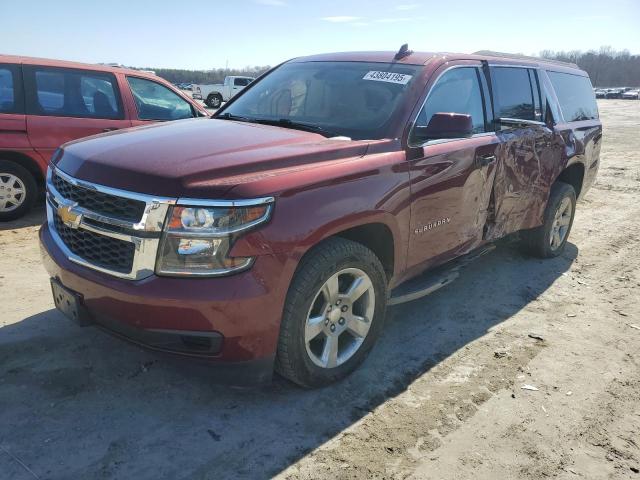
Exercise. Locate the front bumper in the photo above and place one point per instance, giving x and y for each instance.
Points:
(236, 317)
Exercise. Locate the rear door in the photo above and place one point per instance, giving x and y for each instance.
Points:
(13, 124)
(451, 179)
(65, 104)
(526, 153)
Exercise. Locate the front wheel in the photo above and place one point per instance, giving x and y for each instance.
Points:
(550, 239)
(214, 101)
(333, 314)
(18, 190)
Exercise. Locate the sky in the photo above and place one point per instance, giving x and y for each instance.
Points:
(205, 34)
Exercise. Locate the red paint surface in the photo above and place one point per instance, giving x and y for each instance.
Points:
(322, 187)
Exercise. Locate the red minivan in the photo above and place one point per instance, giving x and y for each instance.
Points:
(45, 103)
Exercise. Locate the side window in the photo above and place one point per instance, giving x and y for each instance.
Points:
(513, 93)
(66, 92)
(99, 96)
(575, 95)
(241, 82)
(9, 92)
(157, 102)
(456, 91)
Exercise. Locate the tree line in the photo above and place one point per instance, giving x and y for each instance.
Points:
(606, 67)
(176, 75)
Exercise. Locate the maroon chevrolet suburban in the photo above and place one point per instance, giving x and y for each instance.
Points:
(274, 235)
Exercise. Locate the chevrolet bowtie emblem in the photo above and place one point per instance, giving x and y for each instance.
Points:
(69, 216)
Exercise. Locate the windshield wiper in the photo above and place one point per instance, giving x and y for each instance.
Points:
(286, 123)
(231, 116)
(283, 122)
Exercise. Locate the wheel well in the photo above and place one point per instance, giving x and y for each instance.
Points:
(25, 161)
(378, 238)
(573, 175)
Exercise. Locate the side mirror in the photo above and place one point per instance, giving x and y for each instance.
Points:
(445, 125)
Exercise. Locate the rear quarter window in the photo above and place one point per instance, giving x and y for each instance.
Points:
(10, 89)
(575, 96)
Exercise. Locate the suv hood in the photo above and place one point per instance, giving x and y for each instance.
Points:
(199, 158)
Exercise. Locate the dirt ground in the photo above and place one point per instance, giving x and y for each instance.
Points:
(440, 397)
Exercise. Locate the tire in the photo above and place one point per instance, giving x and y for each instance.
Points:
(352, 264)
(14, 177)
(540, 241)
(214, 101)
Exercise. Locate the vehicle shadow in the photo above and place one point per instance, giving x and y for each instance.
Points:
(76, 403)
(37, 216)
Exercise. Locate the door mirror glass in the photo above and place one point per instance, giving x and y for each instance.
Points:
(445, 125)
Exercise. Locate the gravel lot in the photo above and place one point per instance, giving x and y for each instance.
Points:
(440, 396)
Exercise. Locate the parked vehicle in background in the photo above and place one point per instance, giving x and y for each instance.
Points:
(600, 93)
(614, 93)
(213, 95)
(631, 95)
(276, 232)
(45, 103)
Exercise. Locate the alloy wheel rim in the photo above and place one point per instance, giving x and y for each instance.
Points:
(339, 318)
(12, 192)
(561, 223)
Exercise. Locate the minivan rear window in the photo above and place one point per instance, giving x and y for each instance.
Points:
(11, 98)
(64, 92)
(7, 99)
(575, 95)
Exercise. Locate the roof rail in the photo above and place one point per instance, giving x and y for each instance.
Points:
(517, 56)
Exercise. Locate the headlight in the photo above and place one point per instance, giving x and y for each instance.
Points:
(197, 239)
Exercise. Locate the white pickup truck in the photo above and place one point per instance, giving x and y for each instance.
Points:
(214, 95)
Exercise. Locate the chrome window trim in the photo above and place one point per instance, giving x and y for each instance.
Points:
(438, 141)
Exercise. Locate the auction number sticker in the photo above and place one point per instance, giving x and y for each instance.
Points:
(389, 77)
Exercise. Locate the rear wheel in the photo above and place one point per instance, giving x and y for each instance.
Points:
(333, 314)
(550, 239)
(214, 101)
(18, 190)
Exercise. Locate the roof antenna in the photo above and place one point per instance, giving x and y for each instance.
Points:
(403, 52)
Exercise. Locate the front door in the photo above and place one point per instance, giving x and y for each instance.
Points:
(451, 179)
(65, 104)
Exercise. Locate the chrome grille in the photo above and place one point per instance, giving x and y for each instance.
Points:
(119, 207)
(106, 229)
(100, 250)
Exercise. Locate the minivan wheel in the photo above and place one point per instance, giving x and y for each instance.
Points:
(214, 101)
(18, 190)
(333, 313)
(550, 239)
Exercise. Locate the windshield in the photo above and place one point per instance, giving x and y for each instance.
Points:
(352, 99)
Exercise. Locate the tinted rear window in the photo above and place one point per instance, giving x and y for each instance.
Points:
(10, 89)
(514, 94)
(575, 95)
(6, 90)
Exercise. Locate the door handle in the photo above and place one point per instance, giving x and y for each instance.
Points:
(485, 160)
(109, 129)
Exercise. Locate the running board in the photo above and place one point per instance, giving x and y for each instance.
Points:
(434, 279)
